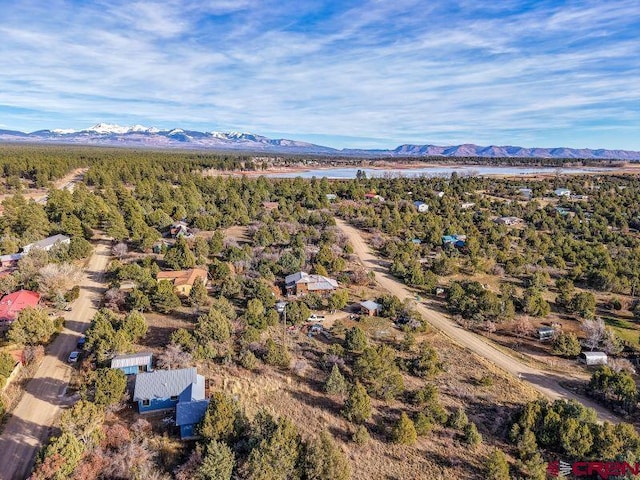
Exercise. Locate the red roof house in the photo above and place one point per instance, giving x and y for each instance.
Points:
(12, 304)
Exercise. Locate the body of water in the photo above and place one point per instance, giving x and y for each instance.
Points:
(437, 171)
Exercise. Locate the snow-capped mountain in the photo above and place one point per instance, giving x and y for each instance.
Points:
(150, 137)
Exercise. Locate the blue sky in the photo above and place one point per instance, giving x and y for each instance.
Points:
(343, 73)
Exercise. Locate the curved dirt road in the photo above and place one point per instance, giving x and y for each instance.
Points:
(29, 423)
(547, 383)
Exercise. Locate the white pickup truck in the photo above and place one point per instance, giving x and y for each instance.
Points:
(315, 318)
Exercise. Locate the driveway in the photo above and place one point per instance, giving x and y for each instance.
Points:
(29, 424)
(545, 382)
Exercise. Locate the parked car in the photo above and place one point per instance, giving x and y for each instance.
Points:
(316, 318)
(81, 341)
(73, 357)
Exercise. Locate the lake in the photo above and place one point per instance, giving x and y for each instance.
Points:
(436, 171)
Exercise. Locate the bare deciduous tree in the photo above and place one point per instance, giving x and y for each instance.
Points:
(114, 298)
(522, 326)
(174, 357)
(57, 278)
(595, 331)
(120, 250)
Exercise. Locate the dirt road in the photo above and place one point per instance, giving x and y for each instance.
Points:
(29, 424)
(547, 383)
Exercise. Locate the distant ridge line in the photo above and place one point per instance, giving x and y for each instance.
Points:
(104, 134)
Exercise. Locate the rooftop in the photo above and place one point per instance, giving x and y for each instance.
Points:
(370, 305)
(47, 242)
(183, 277)
(12, 304)
(167, 383)
(134, 359)
(188, 413)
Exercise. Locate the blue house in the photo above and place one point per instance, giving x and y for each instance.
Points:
(454, 240)
(164, 389)
(134, 363)
(188, 415)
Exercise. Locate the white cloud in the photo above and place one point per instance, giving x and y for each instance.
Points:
(384, 70)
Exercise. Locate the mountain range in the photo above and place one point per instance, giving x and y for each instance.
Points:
(150, 137)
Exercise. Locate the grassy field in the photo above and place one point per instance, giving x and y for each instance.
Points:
(628, 331)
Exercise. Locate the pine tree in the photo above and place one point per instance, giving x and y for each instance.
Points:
(496, 466)
(335, 384)
(404, 432)
(423, 424)
(180, 256)
(165, 298)
(198, 297)
(217, 462)
(471, 435)
(458, 419)
(355, 340)
(219, 419)
(361, 435)
(357, 408)
(324, 460)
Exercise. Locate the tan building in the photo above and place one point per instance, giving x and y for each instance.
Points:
(183, 280)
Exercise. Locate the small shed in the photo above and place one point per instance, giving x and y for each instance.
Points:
(546, 333)
(370, 308)
(593, 358)
(134, 363)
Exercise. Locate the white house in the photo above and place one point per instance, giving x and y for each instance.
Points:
(421, 206)
(47, 243)
(562, 192)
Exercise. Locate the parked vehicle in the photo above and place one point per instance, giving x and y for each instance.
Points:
(73, 357)
(81, 341)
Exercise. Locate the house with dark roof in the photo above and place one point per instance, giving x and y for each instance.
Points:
(300, 283)
(134, 363)
(47, 243)
(11, 305)
(164, 389)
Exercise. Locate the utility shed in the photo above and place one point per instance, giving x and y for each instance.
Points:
(546, 333)
(134, 363)
(593, 358)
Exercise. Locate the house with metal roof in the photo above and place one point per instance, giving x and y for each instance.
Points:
(164, 389)
(10, 260)
(457, 241)
(11, 305)
(546, 333)
(562, 192)
(188, 416)
(134, 363)
(47, 243)
(300, 283)
(370, 308)
(593, 358)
